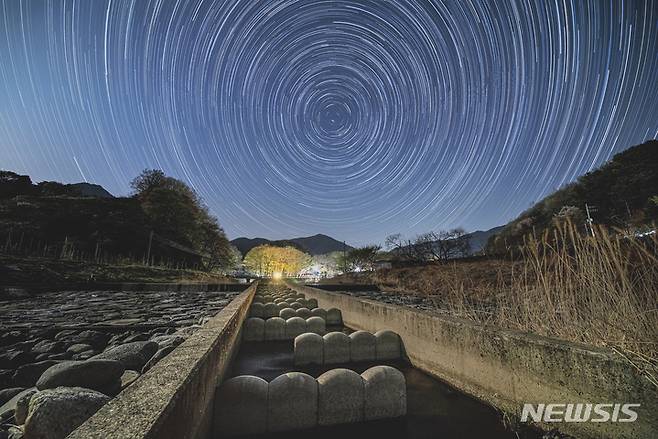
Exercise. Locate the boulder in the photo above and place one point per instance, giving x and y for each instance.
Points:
(79, 348)
(295, 326)
(340, 398)
(388, 345)
(241, 406)
(133, 355)
(385, 393)
(275, 329)
(315, 325)
(336, 348)
(54, 413)
(292, 402)
(28, 374)
(362, 346)
(7, 394)
(8, 408)
(100, 375)
(22, 406)
(309, 349)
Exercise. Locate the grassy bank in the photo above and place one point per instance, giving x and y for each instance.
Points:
(600, 291)
(29, 270)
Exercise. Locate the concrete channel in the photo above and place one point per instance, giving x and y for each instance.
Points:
(289, 378)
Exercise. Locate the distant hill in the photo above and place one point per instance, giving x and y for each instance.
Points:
(314, 245)
(90, 190)
(622, 193)
(479, 238)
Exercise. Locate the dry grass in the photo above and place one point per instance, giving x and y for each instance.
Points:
(600, 291)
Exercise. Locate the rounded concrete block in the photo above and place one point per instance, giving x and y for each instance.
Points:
(319, 312)
(254, 329)
(292, 402)
(385, 393)
(336, 348)
(256, 310)
(240, 399)
(296, 305)
(279, 300)
(341, 397)
(287, 313)
(295, 326)
(271, 309)
(275, 329)
(312, 303)
(362, 346)
(389, 346)
(304, 313)
(334, 317)
(309, 349)
(316, 325)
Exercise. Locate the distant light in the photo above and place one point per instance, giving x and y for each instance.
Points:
(277, 275)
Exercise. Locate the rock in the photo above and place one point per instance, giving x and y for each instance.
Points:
(23, 404)
(15, 359)
(83, 355)
(164, 341)
(341, 397)
(136, 337)
(238, 399)
(309, 349)
(100, 375)
(133, 355)
(336, 348)
(55, 413)
(60, 357)
(27, 375)
(15, 432)
(362, 346)
(157, 357)
(295, 326)
(8, 409)
(129, 377)
(6, 378)
(292, 402)
(48, 347)
(388, 345)
(95, 338)
(385, 393)
(7, 394)
(79, 348)
(275, 329)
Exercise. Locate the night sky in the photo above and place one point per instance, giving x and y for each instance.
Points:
(352, 118)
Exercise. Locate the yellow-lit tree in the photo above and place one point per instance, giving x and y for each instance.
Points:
(266, 260)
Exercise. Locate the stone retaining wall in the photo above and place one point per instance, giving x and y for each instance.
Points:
(174, 399)
(508, 368)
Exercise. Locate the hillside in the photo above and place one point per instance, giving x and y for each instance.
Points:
(622, 194)
(314, 245)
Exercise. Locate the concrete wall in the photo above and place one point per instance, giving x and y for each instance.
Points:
(174, 399)
(508, 368)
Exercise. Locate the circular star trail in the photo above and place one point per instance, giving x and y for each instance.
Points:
(351, 118)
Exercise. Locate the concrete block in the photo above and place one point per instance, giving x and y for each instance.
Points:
(292, 402)
(319, 312)
(275, 329)
(362, 346)
(296, 305)
(385, 393)
(336, 348)
(341, 397)
(254, 329)
(312, 303)
(309, 349)
(315, 325)
(388, 345)
(256, 310)
(271, 309)
(334, 317)
(295, 326)
(241, 406)
(304, 313)
(287, 313)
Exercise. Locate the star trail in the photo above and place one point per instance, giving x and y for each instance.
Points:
(352, 118)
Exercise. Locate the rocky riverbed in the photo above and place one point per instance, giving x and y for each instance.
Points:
(63, 355)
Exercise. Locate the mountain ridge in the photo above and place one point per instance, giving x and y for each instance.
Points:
(317, 244)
